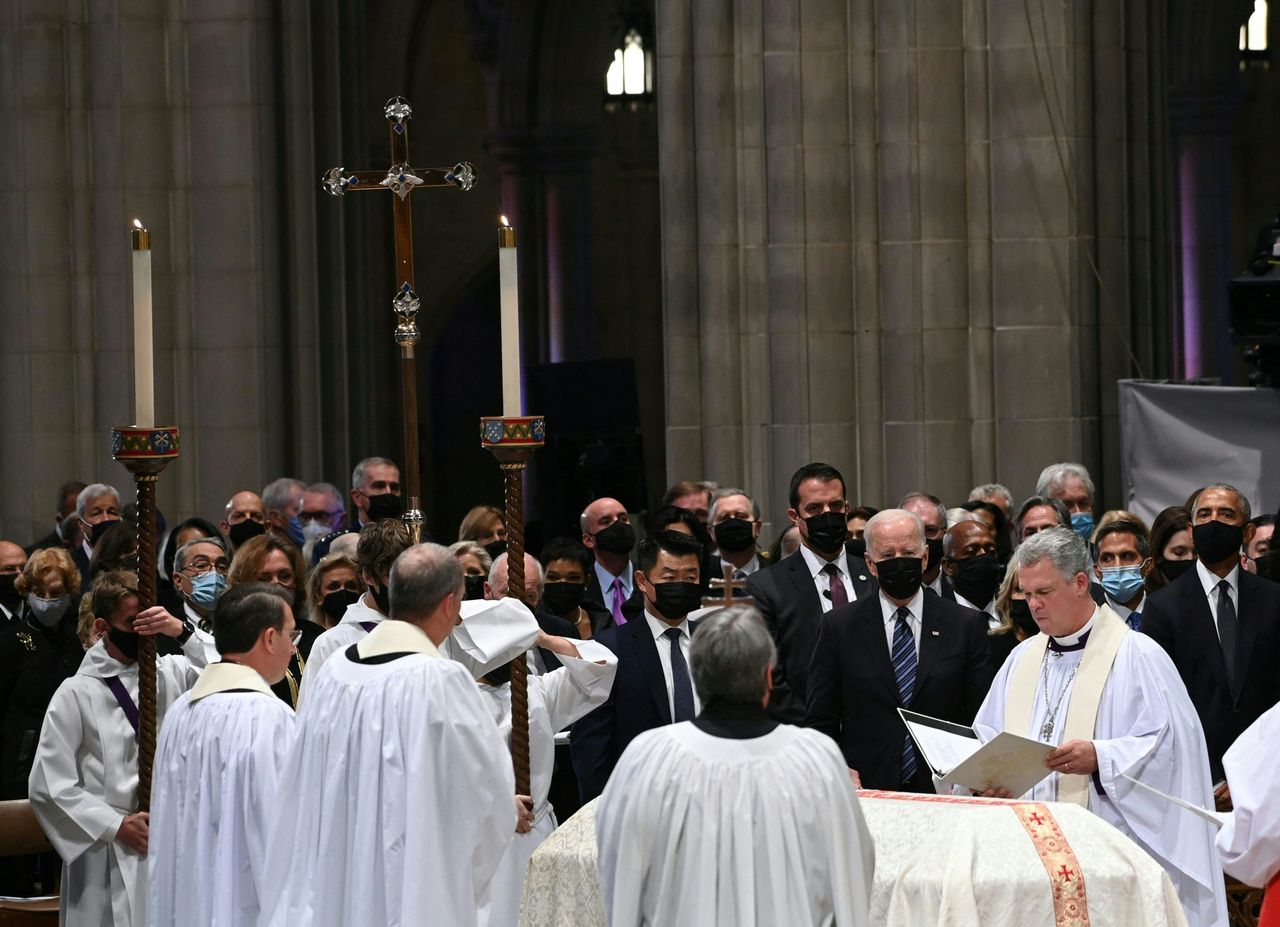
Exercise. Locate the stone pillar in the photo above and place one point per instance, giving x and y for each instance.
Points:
(881, 230)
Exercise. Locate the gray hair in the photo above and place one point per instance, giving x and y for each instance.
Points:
(1227, 487)
(1065, 549)
(357, 475)
(957, 515)
(730, 651)
(987, 490)
(333, 492)
(462, 548)
(180, 558)
(91, 492)
(930, 500)
(892, 515)
(1054, 477)
(1038, 501)
(725, 494)
(500, 566)
(278, 494)
(420, 579)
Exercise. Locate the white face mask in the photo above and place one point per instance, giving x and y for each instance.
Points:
(48, 611)
(315, 530)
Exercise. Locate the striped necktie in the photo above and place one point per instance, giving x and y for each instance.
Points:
(904, 671)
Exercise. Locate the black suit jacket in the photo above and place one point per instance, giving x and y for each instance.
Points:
(637, 703)
(601, 615)
(556, 626)
(853, 693)
(787, 598)
(1178, 617)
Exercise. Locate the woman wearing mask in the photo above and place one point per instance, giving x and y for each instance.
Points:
(333, 585)
(269, 559)
(1171, 547)
(1016, 623)
(476, 564)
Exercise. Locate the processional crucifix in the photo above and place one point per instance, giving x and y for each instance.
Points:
(401, 179)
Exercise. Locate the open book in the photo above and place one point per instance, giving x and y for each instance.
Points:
(957, 756)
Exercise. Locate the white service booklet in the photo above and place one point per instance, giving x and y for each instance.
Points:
(1216, 818)
(957, 755)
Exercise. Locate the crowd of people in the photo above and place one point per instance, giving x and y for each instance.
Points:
(339, 698)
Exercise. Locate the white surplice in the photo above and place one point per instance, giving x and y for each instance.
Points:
(1249, 843)
(217, 767)
(402, 792)
(556, 700)
(699, 830)
(1147, 728)
(349, 630)
(84, 780)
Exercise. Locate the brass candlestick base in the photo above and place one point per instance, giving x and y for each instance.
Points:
(145, 452)
(513, 441)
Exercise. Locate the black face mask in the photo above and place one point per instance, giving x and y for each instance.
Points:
(563, 598)
(125, 641)
(495, 549)
(935, 552)
(8, 595)
(381, 596)
(827, 532)
(1217, 541)
(1172, 569)
(899, 577)
(335, 603)
(978, 578)
(474, 588)
(856, 547)
(1020, 612)
(618, 538)
(101, 528)
(675, 600)
(244, 531)
(385, 505)
(734, 535)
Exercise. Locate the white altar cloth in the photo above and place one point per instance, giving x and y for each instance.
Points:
(939, 860)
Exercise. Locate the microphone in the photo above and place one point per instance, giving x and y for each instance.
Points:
(826, 593)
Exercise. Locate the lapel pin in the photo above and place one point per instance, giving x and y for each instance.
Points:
(936, 633)
(861, 577)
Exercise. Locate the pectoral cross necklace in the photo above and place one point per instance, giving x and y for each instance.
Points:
(1046, 730)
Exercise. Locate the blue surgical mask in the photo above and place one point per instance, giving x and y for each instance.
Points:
(207, 588)
(1122, 583)
(295, 532)
(1082, 524)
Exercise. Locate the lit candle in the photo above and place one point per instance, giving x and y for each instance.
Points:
(511, 398)
(144, 399)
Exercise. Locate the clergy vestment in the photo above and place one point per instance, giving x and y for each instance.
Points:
(756, 823)
(556, 700)
(216, 772)
(84, 781)
(357, 621)
(1249, 843)
(402, 792)
(1121, 691)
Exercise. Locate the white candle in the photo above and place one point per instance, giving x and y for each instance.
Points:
(144, 398)
(512, 404)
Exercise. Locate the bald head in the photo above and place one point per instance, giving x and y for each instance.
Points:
(12, 557)
(600, 514)
(427, 589)
(243, 506)
(968, 539)
(497, 586)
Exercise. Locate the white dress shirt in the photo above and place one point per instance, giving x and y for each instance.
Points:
(659, 629)
(915, 622)
(743, 571)
(606, 582)
(821, 581)
(1123, 610)
(1210, 583)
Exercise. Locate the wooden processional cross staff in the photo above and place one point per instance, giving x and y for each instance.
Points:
(729, 589)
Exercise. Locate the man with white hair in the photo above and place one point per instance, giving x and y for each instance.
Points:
(735, 527)
(733, 818)
(1111, 702)
(98, 510)
(899, 648)
(933, 515)
(1070, 484)
(995, 493)
(541, 660)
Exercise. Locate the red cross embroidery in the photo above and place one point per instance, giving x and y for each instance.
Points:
(1035, 816)
(1065, 873)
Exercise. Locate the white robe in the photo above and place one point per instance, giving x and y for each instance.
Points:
(556, 700)
(402, 793)
(1249, 843)
(349, 630)
(1147, 728)
(84, 780)
(217, 767)
(700, 830)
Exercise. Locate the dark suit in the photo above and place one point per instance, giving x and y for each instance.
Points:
(81, 560)
(1178, 617)
(555, 626)
(52, 539)
(787, 598)
(638, 702)
(593, 600)
(947, 590)
(853, 693)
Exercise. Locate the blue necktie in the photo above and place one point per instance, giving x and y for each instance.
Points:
(681, 687)
(1135, 620)
(904, 670)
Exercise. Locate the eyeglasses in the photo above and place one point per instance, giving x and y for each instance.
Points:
(201, 565)
(319, 516)
(295, 635)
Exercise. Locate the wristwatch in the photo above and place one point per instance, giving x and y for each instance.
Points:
(187, 630)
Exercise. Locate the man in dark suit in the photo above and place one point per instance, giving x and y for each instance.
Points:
(653, 686)
(793, 594)
(900, 648)
(933, 515)
(1221, 625)
(66, 529)
(98, 509)
(611, 597)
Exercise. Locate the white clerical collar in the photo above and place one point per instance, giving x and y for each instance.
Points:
(224, 676)
(816, 564)
(1209, 580)
(1070, 640)
(396, 637)
(658, 627)
(890, 611)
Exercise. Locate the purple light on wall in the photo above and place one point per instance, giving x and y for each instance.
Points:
(1190, 226)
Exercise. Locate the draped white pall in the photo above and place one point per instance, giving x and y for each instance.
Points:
(216, 781)
(1249, 843)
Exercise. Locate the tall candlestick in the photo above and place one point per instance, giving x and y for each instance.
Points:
(512, 402)
(144, 397)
